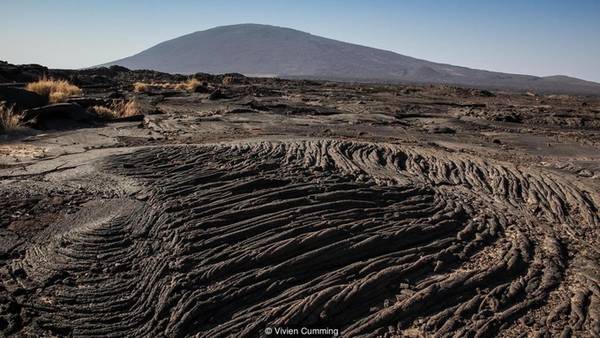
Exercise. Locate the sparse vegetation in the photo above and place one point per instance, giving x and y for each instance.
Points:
(9, 118)
(54, 90)
(141, 87)
(129, 108)
(193, 84)
(118, 110)
(228, 80)
(189, 85)
(104, 112)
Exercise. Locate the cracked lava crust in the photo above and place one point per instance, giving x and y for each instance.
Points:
(368, 238)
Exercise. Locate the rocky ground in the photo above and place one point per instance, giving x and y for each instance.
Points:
(376, 210)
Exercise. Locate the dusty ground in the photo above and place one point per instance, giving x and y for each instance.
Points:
(376, 210)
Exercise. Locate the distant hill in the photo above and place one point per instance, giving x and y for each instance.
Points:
(262, 50)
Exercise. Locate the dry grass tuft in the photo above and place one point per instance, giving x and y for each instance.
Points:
(129, 108)
(141, 87)
(118, 110)
(54, 90)
(189, 85)
(104, 112)
(9, 119)
(228, 80)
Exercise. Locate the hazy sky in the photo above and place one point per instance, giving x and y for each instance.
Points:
(544, 37)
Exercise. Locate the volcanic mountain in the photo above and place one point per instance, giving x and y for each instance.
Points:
(263, 50)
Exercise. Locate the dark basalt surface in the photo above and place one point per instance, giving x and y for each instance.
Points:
(368, 239)
(376, 210)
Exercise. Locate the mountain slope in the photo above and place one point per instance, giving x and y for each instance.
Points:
(263, 50)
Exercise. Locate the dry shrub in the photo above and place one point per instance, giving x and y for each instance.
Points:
(129, 108)
(118, 110)
(141, 87)
(189, 85)
(104, 112)
(228, 80)
(9, 119)
(144, 87)
(54, 90)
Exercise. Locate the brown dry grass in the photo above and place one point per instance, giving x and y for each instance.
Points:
(118, 110)
(9, 119)
(141, 87)
(189, 85)
(129, 108)
(228, 80)
(104, 112)
(54, 90)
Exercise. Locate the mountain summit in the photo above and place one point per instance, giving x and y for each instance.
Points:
(263, 50)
